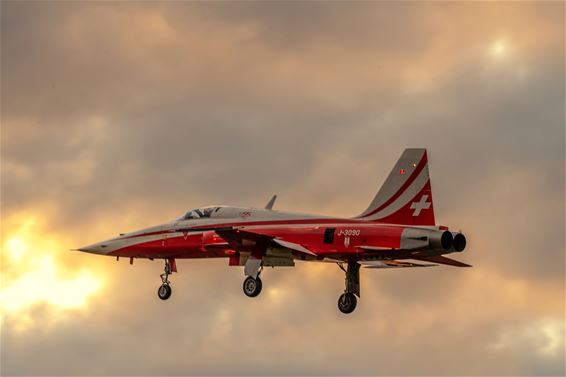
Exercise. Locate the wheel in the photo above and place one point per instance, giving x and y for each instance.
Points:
(347, 302)
(164, 292)
(252, 287)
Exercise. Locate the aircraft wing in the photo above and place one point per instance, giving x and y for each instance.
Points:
(244, 239)
(392, 264)
(240, 239)
(293, 246)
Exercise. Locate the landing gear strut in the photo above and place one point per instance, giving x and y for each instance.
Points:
(347, 301)
(164, 292)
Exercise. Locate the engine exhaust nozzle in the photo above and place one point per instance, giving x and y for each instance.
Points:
(459, 243)
(441, 240)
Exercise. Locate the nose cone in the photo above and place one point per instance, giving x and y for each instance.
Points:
(97, 248)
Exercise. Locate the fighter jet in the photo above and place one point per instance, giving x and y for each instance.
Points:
(397, 230)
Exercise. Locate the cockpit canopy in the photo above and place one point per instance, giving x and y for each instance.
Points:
(199, 213)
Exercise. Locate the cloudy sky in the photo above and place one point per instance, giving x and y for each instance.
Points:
(117, 116)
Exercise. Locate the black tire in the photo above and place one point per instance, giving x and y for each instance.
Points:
(347, 302)
(164, 292)
(252, 287)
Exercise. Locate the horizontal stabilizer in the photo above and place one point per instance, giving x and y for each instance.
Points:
(441, 260)
(392, 264)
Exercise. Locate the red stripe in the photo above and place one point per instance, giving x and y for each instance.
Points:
(249, 223)
(407, 183)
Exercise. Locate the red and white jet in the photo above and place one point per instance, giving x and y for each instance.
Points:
(396, 230)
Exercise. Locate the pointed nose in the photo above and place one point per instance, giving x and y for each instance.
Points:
(97, 248)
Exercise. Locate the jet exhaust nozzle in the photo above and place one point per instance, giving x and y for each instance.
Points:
(441, 240)
(459, 243)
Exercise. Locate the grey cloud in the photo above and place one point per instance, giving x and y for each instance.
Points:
(109, 123)
(225, 333)
(158, 146)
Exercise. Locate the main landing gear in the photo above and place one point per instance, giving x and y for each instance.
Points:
(164, 292)
(252, 287)
(347, 301)
(252, 284)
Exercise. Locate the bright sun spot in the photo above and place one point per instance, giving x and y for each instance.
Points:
(553, 332)
(42, 284)
(499, 48)
(545, 337)
(15, 248)
(33, 272)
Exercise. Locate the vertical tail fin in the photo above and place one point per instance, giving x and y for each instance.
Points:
(406, 195)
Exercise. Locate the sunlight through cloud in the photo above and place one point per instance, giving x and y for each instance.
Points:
(42, 284)
(33, 272)
(499, 48)
(16, 248)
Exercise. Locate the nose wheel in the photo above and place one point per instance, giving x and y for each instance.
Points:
(164, 292)
(347, 302)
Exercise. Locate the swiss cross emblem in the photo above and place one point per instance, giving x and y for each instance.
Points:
(420, 205)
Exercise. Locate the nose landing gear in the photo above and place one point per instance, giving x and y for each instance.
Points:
(164, 292)
(347, 301)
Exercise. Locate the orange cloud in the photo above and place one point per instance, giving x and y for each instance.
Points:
(120, 116)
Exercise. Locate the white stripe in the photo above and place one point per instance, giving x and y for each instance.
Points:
(117, 244)
(409, 161)
(411, 191)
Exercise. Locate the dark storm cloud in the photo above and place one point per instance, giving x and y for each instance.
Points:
(121, 115)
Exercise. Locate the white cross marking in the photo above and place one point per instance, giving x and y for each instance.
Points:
(419, 206)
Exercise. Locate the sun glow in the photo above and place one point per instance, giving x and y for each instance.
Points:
(42, 284)
(34, 272)
(499, 48)
(15, 248)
